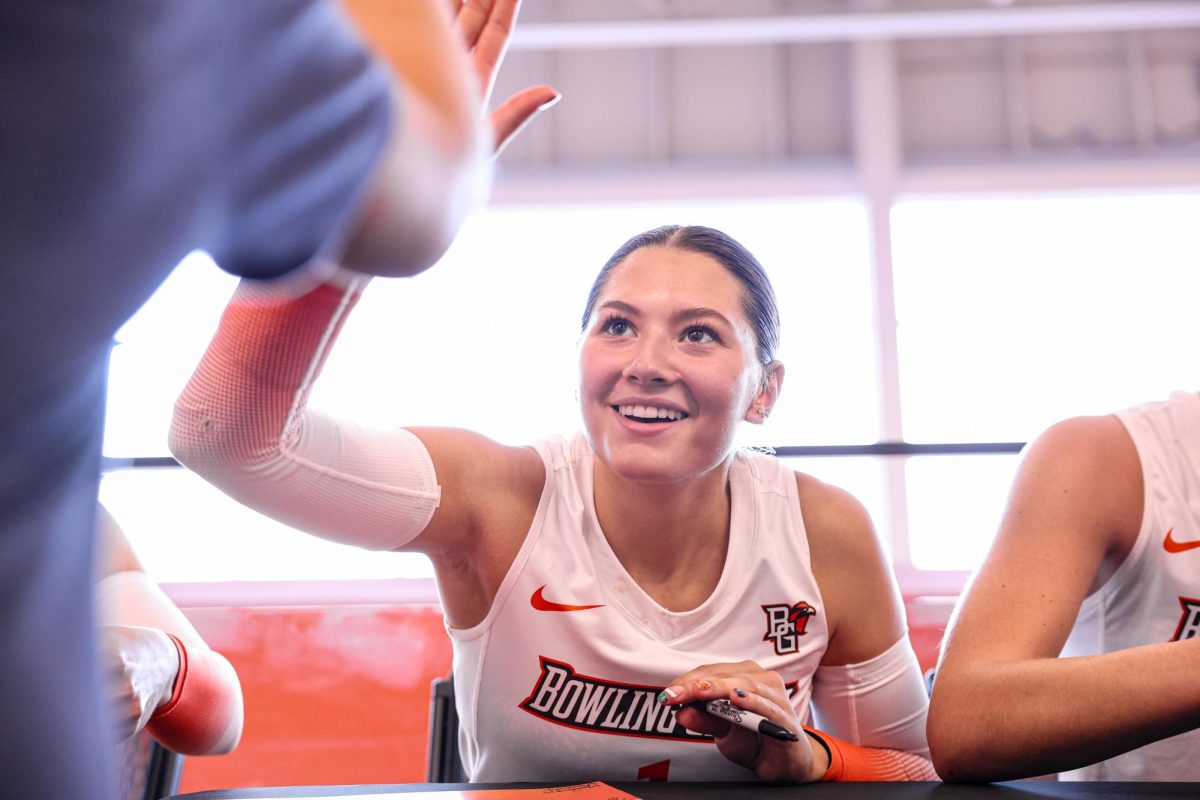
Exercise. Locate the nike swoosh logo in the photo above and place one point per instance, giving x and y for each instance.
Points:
(1172, 546)
(542, 604)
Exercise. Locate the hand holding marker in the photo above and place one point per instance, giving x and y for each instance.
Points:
(745, 719)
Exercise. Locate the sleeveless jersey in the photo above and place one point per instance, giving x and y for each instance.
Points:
(1154, 596)
(560, 680)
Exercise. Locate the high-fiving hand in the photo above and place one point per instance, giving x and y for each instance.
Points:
(486, 27)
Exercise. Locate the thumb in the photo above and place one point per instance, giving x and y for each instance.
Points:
(516, 112)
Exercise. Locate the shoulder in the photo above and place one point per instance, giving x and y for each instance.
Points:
(1085, 440)
(1087, 466)
(1080, 481)
(837, 524)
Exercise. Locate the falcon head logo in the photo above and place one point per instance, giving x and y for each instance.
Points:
(786, 623)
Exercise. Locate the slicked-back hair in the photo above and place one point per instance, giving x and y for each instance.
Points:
(758, 296)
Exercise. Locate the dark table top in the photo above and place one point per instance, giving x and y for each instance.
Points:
(757, 791)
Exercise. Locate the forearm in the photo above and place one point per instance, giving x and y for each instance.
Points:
(246, 401)
(1005, 720)
(242, 423)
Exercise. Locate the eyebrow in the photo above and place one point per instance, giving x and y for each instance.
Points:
(680, 316)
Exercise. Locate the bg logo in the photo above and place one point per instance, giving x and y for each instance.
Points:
(1189, 621)
(786, 624)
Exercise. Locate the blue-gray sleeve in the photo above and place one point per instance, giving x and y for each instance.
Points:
(307, 114)
(131, 133)
(135, 131)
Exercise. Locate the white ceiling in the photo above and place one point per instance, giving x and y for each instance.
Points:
(819, 96)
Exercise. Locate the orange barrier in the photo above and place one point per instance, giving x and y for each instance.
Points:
(334, 694)
(337, 692)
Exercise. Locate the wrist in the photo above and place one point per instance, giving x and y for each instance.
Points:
(822, 757)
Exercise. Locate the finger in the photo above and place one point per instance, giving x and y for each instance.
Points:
(471, 17)
(713, 681)
(724, 668)
(738, 744)
(492, 41)
(765, 706)
(511, 116)
(696, 719)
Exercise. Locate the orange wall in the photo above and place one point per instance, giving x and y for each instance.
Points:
(339, 693)
(334, 694)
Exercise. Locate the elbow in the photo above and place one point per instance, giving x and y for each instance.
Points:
(960, 754)
(176, 443)
(207, 441)
(953, 764)
(190, 436)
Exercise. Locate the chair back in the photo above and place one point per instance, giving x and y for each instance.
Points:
(148, 771)
(443, 764)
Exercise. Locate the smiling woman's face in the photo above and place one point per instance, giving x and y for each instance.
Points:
(668, 366)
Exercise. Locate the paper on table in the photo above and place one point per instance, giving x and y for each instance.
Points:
(583, 791)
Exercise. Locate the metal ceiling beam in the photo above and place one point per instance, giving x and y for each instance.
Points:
(967, 22)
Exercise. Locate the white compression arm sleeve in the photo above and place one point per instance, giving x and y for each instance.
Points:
(880, 702)
(242, 423)
(132, 598)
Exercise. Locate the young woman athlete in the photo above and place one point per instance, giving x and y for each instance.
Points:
(592, 585)
(597, 587)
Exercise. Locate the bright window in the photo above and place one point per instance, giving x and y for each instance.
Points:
(1015, 313)
(486, 340)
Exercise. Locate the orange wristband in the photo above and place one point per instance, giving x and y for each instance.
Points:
(849, 762)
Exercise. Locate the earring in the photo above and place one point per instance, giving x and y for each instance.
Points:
(762, 412)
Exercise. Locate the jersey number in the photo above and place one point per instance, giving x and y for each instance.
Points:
(656, 772)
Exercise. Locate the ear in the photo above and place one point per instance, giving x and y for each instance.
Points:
(767, 395)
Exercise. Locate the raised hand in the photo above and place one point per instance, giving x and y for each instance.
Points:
(486, 27)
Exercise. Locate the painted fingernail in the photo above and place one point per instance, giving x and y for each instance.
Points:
(669, 693)
(739, 693)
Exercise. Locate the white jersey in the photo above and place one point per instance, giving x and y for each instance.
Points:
(1154, 596)
(560, 680)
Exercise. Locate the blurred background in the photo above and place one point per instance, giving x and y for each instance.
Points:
(980, 216)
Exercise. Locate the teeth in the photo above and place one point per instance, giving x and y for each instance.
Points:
(650, 412)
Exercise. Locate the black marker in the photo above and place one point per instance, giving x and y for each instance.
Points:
(746, 719)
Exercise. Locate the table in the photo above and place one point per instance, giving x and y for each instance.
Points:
(1014, 790)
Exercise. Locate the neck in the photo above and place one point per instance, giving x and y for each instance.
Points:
(670, 538)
